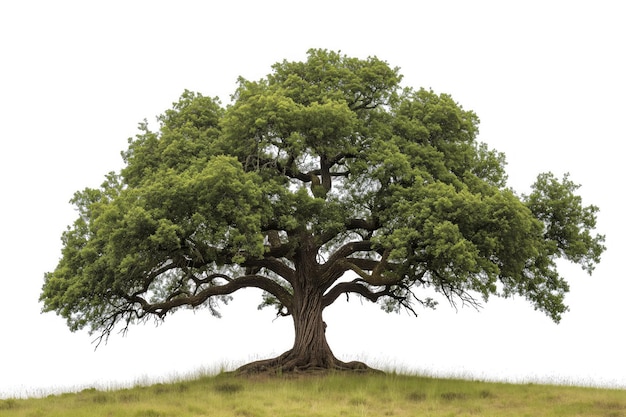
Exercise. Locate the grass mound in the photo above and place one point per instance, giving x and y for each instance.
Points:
(333, 394)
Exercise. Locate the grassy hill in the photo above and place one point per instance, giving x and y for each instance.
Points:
(329, 395)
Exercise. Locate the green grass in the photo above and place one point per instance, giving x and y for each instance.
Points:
(330, 395)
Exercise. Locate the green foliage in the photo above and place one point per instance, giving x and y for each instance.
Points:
(325, 167)
(567, 223)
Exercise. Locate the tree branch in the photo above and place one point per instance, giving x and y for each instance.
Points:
(355, 224)
(350, 224)
(348, 249)
(274, 265)
(354, 286)
(450, 291)
(357, 287)
(376, 267)
(160, 309)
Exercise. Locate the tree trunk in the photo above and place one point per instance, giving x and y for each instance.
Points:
(310, 348)
(310, 351)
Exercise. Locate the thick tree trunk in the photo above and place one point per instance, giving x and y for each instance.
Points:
(310, 351)
(310, 348)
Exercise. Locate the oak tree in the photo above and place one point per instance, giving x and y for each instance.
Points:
(326, 178)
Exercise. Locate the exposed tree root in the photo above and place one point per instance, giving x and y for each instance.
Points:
(288, 363)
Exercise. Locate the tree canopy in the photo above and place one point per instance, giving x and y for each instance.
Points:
(324, 178)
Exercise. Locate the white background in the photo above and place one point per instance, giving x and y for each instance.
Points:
(545, 77)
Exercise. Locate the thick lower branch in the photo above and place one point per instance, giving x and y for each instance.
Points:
(400, 293)
(246, 281)
(356, 287)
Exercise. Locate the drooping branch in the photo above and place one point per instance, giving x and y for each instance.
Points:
(356, 286)
(107, 322)
(360, 287)
(452, 291)
(160, 309)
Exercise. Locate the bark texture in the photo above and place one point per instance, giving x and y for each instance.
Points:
(310, 351)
